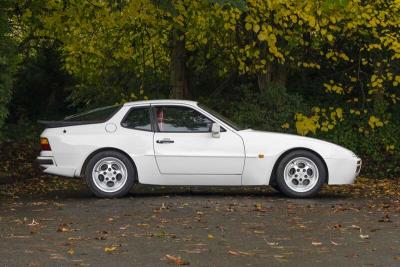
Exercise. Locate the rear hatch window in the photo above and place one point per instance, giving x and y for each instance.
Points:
(95, 115)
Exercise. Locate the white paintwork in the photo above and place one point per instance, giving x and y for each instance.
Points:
(194, 158)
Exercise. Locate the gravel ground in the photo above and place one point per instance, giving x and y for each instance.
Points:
(64, 225)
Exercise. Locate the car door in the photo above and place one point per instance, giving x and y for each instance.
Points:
(184, 145)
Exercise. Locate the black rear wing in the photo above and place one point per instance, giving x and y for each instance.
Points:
(58, 124)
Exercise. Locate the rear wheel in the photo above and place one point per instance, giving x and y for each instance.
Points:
(110, 174)
(301, 174)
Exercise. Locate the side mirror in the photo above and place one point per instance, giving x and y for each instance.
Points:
(215, 130)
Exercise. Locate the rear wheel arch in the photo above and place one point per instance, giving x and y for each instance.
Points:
(91, 155)
(272, 178)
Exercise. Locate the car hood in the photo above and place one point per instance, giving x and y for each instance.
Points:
(280, 142)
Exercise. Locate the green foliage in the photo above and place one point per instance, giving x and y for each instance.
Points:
(379, 148)
(269, 110)
(8, 60)
(42, 88)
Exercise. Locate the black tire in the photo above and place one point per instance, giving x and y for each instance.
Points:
(322, 174)
(130, 177)
(276, 187)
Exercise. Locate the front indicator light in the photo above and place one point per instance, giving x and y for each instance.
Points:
(44, 143)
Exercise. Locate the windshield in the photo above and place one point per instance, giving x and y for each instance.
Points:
(221, 117)
(98, 114)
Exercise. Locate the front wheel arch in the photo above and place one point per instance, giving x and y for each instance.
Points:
(91, 155)
(272, 178)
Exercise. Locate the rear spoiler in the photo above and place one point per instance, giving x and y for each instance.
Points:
(57, 124)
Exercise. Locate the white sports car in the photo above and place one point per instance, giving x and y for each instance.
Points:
(177, 142)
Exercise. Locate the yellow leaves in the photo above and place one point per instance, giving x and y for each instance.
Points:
(305, 124)
(356, 112)
(256, 28)
(311, 21)
(285, 125)
(180, 20)
(374, 122)
(262, 36)
(329, 37)
(390, 148)
(319, 120)
(374, 46)
(396, 81)
(339, 113)
(344, 56)
(335, 88)
(248, 26)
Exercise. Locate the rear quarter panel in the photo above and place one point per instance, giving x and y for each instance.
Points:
(72, 145)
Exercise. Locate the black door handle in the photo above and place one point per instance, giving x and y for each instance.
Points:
(165, 141)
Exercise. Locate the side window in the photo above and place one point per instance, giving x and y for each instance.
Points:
(181, 119)
(137, 118)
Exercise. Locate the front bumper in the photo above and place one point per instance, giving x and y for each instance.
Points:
(343, 171)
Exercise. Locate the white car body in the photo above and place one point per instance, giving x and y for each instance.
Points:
(244, 157)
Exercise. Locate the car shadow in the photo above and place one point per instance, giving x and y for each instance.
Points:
(221, 191)
(154, 191)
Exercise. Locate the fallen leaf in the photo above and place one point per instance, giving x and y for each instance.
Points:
(246, 253)
(234, 253)
(33, 223)
(316, 243)
(71, 251)
(124, 227)
(334, 243)
(110, 249)
(364, 236)
(74, 238)
(62, 228)
(239, 253)
(210, 236)
(176, 260)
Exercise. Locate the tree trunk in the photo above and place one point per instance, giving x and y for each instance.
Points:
(274, 75)
(179, 84)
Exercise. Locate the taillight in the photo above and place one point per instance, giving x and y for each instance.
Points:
(44, 143)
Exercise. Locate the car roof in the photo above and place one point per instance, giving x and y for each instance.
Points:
(161, 101)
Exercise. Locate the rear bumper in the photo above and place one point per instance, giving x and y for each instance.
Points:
(48, 165)
(44, 161)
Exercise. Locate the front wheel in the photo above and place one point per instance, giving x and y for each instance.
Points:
(110, 174)
(301, 174)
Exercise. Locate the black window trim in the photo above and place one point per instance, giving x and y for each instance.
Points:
(149, 108)
(66, 123)
(154, 117)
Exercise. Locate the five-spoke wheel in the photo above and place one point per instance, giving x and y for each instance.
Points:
(109, 174)
(300, 173)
